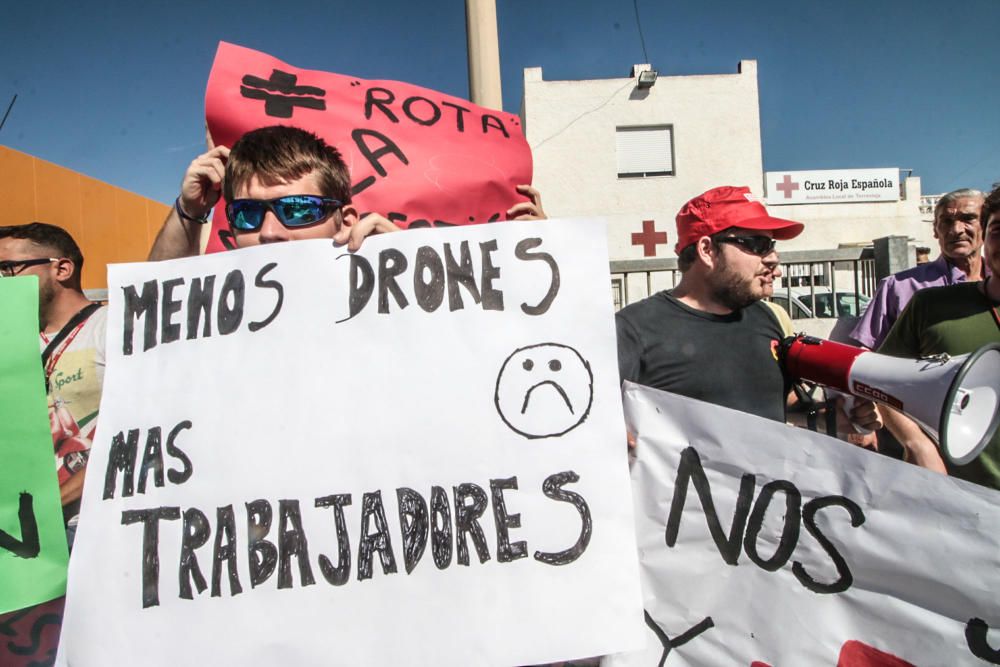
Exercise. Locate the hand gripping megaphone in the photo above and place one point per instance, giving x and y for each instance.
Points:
(954, 399)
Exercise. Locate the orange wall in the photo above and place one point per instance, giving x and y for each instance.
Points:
(110, 224)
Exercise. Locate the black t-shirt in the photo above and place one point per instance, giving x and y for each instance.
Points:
(729, 360)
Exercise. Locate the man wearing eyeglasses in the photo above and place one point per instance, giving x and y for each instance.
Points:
(72, 343)
(712, 337)
(282, 184)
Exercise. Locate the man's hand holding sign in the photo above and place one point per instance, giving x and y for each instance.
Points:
(201, 188)
(380, 477)
(527, 210)
(416, 157)
(284, 171)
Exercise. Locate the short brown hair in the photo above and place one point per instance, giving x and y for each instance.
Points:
(686, 257)
(991, 205)
(688, 254)
(283, 153)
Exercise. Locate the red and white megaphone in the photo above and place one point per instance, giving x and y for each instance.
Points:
(954, 399)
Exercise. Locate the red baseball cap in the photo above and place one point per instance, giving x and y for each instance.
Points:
(724, 207)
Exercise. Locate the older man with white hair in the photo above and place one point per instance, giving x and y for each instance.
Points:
(959, 233)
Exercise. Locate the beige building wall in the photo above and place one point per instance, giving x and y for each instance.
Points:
(109, 224)
(839, 225)
(571, 128)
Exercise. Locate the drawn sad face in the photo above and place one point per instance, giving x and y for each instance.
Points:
(544, 390)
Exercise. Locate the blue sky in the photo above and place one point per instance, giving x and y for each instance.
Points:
(116, 89)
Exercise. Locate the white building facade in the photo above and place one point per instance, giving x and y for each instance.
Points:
(633, 153)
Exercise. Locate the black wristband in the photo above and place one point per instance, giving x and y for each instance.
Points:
(184, 216)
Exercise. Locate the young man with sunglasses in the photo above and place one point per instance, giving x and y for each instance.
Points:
(282, 184)
(712, 337)
(72, 344)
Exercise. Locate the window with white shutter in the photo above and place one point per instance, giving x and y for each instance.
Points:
(645, 151)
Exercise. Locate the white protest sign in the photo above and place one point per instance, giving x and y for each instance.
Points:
(761, 543)
(410, 455)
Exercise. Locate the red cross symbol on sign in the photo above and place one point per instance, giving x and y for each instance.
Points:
(648, 238)
(787, 186)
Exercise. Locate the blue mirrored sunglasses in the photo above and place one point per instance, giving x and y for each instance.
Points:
(247, 215)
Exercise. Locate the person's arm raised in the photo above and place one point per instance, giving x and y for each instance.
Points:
(200, 191)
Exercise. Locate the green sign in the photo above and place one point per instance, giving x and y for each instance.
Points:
(33, 552)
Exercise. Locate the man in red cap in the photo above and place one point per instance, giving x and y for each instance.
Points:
(711, 337)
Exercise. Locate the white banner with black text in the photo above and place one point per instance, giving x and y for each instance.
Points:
(765, 544)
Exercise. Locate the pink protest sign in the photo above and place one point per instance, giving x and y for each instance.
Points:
(419, 157)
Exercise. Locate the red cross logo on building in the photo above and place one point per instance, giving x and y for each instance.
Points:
(648, 238)
(787, 186)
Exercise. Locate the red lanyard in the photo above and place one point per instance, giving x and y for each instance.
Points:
(54, 359)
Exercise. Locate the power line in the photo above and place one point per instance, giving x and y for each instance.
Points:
(568, 125)
(638, 24)
(9, 107)
(989, 152)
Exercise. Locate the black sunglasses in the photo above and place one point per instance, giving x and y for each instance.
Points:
(759, 245)
(247, 215)
(12, 267)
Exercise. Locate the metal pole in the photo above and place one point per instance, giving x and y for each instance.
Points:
(484, 53)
